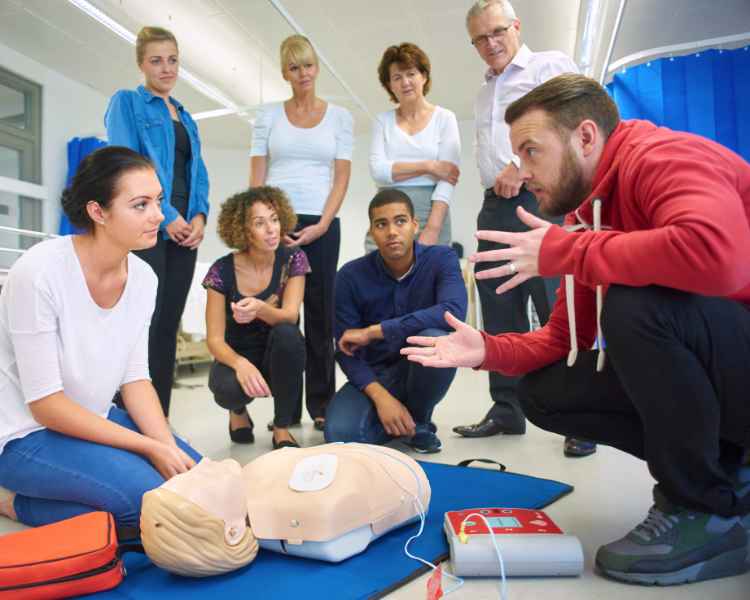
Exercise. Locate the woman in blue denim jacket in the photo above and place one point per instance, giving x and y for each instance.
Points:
(151, 122)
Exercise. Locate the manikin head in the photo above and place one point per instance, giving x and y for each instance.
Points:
(195, 524)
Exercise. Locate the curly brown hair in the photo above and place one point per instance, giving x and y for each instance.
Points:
(232, 224)
(406, 56)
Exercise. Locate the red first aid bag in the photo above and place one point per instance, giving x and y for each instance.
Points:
(69, 558)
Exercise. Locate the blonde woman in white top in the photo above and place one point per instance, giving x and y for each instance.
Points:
(304, 147)
(416, 147)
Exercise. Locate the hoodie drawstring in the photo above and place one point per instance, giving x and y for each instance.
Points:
(570, 302)
(600, 356)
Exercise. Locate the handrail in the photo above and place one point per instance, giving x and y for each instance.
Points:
(674, 48)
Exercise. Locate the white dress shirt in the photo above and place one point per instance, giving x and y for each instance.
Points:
(439, 140)
(526, 71)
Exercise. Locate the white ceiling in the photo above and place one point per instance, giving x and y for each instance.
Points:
(233, 44)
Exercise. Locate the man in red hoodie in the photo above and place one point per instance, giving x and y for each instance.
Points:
(656, 248)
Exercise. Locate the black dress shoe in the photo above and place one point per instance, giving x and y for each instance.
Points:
(490, 426)
(284, 443)
(242, 435)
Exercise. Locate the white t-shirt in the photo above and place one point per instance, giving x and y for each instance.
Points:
(300, 160)
(53, 336)
(439, 140)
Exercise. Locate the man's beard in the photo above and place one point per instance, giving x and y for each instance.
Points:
(571, 190)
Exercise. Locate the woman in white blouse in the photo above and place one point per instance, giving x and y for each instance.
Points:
(416, 146)
(304, 147)
(74, 325)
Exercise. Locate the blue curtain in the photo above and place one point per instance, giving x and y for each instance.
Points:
(707, 93)
(78, 149)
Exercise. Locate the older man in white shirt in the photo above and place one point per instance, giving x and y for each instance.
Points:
(513, 70)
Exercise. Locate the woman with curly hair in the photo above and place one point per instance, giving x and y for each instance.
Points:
(254, 297)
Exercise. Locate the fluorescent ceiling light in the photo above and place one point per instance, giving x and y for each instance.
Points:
(130, 37)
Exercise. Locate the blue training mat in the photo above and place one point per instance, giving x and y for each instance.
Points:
(379, 570)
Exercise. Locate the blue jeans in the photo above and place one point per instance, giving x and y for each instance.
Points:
(351, 416)
(56, 476)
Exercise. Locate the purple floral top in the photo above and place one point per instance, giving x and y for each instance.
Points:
(221, 277)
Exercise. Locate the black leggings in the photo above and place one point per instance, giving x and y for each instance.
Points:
(319, 307)
(281, 363)
(174, 266)
(674, 392)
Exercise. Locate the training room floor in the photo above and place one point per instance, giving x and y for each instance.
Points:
(613, 490)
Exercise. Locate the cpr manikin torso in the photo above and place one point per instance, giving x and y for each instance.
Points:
(329, 502)
(195, 524)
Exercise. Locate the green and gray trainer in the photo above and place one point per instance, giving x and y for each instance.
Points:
(674, 545)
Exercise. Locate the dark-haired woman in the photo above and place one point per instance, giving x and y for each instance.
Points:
(151, 122)
(254, 296)
(416, 146)
(74, 320)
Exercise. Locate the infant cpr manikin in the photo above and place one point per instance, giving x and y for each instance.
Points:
(195, 523)
(329, 502)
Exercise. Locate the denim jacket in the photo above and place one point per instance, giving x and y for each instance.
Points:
(141, 121)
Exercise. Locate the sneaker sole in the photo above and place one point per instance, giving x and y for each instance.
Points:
(728, 564)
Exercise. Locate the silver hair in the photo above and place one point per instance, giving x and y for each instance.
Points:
(480, 5)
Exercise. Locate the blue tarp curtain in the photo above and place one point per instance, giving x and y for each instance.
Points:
(707, 93)
(78, 149)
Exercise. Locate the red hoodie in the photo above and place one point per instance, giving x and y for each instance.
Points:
(675, 213)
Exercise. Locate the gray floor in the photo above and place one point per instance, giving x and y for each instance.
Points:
(613, 490)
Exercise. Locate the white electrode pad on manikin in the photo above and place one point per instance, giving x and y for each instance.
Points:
(314, 473)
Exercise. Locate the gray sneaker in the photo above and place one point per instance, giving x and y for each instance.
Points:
(674, 545)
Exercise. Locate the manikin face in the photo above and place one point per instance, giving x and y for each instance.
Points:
(406, 83)
(551, 166)
(302, 75)
(134, 214)
(263, 228)
(160, 67)
(216, 487)
(495, 37)
(394, 230)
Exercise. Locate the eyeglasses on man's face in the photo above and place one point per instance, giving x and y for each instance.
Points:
(482, 41)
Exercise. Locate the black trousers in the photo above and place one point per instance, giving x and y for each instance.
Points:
(281, 363)
(174, 266)
(507, 312)
(675, 392)
(320, 306)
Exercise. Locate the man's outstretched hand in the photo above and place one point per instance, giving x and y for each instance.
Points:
(462, 348)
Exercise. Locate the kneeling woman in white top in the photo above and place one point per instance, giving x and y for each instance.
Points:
(74, 322)
(416, 147)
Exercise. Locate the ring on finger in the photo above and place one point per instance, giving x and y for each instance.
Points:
(512, 268)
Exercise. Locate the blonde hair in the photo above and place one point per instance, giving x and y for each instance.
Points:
(182, 538)
(151, 34)
(296, 50)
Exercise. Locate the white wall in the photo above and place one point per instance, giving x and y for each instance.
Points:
(228, 172)
(69, 109)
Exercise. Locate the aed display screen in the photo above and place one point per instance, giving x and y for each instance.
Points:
(503, 522)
